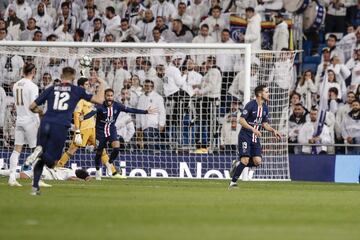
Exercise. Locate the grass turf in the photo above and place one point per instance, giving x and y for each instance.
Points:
(180, 209)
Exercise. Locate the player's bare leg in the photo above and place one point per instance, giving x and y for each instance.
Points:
(14, 160)
(256, 161)
(240, 165)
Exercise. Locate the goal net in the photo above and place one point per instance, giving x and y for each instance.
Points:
(199, 91)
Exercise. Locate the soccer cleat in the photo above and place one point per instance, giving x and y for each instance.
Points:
(14, 183)
(35, 191)
(43, 184)
(118, 176)
(33, 156)
(233, 185)
(233, 167)
(98, 175)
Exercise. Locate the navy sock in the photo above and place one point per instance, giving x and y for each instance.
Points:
(114, 154)
(97, 160)
(37, 172)
(238, 172)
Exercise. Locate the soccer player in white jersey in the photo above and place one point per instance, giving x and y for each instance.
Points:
(60, 174)
(27, 122)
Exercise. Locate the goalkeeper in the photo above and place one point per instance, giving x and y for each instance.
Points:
(85, 132)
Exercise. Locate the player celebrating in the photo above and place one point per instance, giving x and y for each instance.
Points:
(107, 114)
(27, 122)
(85, 131)
(61, 102)
(254, 116)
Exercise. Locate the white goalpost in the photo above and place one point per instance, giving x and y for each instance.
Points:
(201, 87)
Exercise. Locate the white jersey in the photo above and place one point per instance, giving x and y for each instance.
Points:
(25, 92)
(61, 174)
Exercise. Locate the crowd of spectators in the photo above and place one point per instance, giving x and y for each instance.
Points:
(177, 80)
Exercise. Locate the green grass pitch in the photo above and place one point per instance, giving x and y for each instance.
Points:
(180, 209)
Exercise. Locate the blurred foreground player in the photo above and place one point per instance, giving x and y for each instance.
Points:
(61, 102)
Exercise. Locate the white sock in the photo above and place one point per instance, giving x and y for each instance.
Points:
(245, 174)
(14, 160)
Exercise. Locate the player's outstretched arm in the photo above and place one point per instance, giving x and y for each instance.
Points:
(150, 110)
(36, 109)
(244, 124)
(267, 127)
(98, 98)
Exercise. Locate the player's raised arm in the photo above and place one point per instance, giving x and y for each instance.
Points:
(98, 98)
(150, 110)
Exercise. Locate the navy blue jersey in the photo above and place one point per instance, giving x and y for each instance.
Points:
(106, 117)
(254, 115)
(61, 102)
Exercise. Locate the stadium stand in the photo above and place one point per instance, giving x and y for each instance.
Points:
(326, 30)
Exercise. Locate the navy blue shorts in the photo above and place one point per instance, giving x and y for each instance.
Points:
(52, 137)
(102, 140)
(248, 148)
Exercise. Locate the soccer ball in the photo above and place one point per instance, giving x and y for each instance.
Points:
(85, 61)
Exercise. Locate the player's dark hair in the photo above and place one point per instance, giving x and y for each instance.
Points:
(109, 90)
(81, 81)
(68, 73)
(81, 173)
(259, 89)
(28, 67)
(68, 70)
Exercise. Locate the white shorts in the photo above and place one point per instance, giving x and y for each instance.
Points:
(26, 134)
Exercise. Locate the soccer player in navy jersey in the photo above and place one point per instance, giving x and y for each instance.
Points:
(61, 102)
(106, 115)
(254, 116)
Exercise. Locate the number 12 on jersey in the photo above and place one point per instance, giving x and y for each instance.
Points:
(60, 101)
